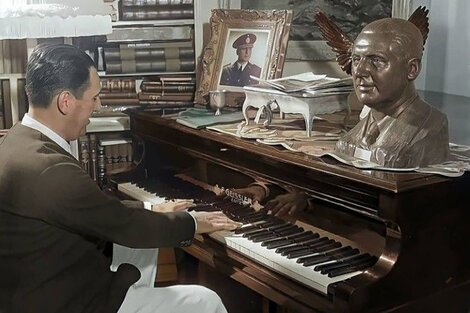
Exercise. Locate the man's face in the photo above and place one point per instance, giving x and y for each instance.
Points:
(244, 54)
(80, 115)
(379, 72)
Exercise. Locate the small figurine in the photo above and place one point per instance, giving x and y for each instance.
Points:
(400, 130)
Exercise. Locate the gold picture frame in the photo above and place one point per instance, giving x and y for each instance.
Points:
(265, 31)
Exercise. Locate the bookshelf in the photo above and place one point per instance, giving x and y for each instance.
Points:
(194, 31)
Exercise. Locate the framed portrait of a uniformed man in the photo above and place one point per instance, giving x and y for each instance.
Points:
(243, 58)
(245, 46)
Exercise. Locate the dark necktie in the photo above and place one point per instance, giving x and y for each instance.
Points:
(372, 132)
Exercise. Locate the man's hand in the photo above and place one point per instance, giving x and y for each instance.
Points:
(287, 204)
(173, 205)
(254, 192)
(208, 222)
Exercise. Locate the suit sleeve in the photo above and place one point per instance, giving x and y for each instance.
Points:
(66, 197)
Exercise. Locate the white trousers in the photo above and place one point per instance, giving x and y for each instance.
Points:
(142, 297)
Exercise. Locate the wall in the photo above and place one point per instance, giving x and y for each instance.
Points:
(446, 63)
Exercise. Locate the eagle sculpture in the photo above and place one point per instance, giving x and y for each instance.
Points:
(342, 45)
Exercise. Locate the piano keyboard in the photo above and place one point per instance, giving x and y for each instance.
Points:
(300, 251)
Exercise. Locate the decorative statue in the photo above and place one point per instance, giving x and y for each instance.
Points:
(400, 130)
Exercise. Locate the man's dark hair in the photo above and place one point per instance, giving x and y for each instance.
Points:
(54, 68)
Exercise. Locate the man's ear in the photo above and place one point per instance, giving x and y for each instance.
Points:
(65, 102)
(414, 67)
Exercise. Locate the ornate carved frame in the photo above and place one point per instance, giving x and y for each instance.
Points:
(277, 22)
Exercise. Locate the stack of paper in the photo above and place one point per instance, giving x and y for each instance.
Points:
(307, 85)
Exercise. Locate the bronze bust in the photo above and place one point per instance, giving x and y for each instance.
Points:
(400, 130)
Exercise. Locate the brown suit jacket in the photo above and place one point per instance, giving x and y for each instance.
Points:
(53, 221)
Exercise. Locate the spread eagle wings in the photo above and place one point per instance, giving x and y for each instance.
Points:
(336, 39)
(420, 19)
(342, 45)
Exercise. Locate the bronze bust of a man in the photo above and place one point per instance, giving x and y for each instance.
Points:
(400, 130)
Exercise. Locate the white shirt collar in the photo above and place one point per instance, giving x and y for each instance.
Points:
(243, 65)
(30, 122)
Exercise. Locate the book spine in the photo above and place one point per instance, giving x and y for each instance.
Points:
(161, 33)
(113, 54)
(163, 14)
(131, 66)
(141, 3)
(101, 166)
(117, 85)
(174, 97)
(157, 45)
(118, 95)
(6, 101)
(93, 158)
(84, 152)
(167, 103)
(168, 88)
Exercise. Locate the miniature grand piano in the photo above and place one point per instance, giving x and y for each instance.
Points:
(408, 231)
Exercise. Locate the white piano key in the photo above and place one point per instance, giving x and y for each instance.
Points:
(256, 252)
(279, 263)
(138, 193)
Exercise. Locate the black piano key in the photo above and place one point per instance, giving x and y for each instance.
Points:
(290, 239)
(258, 226)
(252, 217)
(314, 248)
(302, 245)
(257, 232)
(298, 243)
(327, 246)
(243, 212)
(348, 261)
(328, 256)
(264, 237)
(246, 229)
(334, 252)
(280, 234)
(290, 231)
(269, 228)
(202, 207)
(274, 234)
(353, 268)
(257, 219)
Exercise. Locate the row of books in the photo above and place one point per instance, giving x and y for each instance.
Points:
(131, 10)
(6, 112)
(102, 156)
(118, 94)
(13, 56)
(149, 57)
(131, 3)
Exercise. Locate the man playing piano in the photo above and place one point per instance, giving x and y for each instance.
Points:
(54, 219)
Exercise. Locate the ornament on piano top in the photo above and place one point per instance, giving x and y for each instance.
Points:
(399, 130)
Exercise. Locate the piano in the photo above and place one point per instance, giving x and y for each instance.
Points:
(369, 241)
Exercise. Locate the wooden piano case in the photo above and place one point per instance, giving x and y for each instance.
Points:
(416, 224)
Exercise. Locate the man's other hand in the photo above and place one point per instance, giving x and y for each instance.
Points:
(287, 204)
(208, 222)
